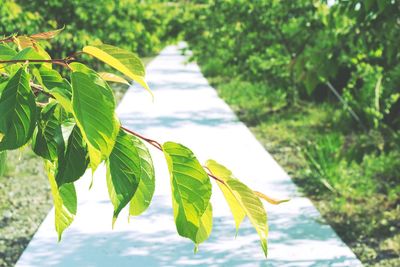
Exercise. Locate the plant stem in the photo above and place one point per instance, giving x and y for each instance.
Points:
(159, 147)
(7, 40)
(148, 140)
(62, 62)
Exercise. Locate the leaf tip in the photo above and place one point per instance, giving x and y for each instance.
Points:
(114, 219)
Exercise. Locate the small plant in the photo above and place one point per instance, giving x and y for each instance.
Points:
(70, 122)
(323, 157)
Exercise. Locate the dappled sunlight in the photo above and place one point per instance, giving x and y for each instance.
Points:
(196, 117)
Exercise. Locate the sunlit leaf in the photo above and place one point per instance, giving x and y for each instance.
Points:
(65, 202)
(191, 190)
(93, 108)
(111, 77)
(144, 193)
(206, 223)
(120, 59)
(236, 208)
(247, 199)
(18, 111)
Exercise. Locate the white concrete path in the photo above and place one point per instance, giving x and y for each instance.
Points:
(188, 110)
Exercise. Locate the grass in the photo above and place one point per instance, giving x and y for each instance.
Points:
(25, 200)
(347, 174)
(25, 196)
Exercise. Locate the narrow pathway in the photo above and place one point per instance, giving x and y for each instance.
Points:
(188, 110)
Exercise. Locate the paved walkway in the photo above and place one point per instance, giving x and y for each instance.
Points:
(188, 110)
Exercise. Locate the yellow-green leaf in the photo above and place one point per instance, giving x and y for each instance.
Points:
(111, 77)
(191, 190)
(65, 202)
(93, 107)
(124, 61)
(144, 193)
(236, 208)
(205, 225)
(246, 198)
(269, 199)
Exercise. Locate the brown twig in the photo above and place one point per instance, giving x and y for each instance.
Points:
(62, 62)
(7, 40)
(159, 147)
(74, 55)
(148, 140)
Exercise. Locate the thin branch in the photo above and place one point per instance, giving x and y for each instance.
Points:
(148, 140)
(62, 62)
(213, 176)
(74, 55)
(159, 147)
(7, 40)
(41, 90)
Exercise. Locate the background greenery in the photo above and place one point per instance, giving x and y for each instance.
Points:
(317, 84)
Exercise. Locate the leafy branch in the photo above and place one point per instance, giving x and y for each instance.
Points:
(85, 99)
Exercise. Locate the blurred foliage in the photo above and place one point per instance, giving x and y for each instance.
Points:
(141, 26)
(300, 45)
(319, 84)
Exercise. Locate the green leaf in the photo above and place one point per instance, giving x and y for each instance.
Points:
(3, 162)
(144, 193)
(18, 112)
(65, 202)
(246, 198)
(29, 53)
(205, 225)
(191, 190)
(32, 50)
(73, 164)
(236, 208)
(63, 95)
(6, 53)
(48, 140)
(120, 59)
(93, 108)
(123, 171)
(49, 78)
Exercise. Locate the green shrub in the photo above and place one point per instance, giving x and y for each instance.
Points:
(140, 26)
